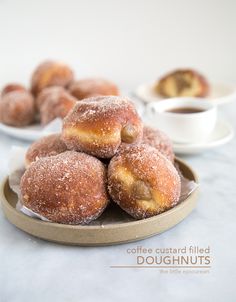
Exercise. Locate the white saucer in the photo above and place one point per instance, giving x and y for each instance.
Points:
(220, 93)
(33, 132)
(221, 135)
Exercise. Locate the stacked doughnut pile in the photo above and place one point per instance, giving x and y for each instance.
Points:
(53, 92)
(104, 154)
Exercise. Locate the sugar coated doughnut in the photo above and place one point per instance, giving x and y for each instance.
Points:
(54, 102)
(99, 125)
(17, 108)
(12, 87)
(51, 73)
(86, 88)
(68, 188)
(183, 82)
(46, 146)
(142, 181)
(159, 140)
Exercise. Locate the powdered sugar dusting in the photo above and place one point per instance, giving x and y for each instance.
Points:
(68, 188)
(46, 146)
(159, 140)
(95, 124)
(144, 163)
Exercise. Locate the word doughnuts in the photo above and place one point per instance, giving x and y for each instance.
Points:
(99, 125)
(68, 188)
(143, 182)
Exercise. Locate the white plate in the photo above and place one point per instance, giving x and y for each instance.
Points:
(220, 93)
(221, 135)
(31, 133)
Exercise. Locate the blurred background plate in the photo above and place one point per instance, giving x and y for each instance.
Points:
(32, 132)
(220, 93)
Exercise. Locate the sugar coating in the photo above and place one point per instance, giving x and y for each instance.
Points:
(95, 125)
(17, 108)
(92, 87)
(159, 140)
(67, 188)
(49, 145)
(54, 102)
(143, 165)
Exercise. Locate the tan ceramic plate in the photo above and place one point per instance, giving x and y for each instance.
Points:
(113, 227)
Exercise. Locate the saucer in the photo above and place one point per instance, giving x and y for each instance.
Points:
(219, 94)
(221, 135)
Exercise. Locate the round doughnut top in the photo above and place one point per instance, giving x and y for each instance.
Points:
(12, 87)
(99, 107)
(51, 73)
(98, 125)
(17, 108)
(92, 87)
(143, 181)
(46, 146)
(67, 188)
(159, 140)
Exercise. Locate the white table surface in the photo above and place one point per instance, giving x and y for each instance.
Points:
(36, 270)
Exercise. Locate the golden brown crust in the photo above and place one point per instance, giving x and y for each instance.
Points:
(159, 140)
(12, 87)
(90, 87)
(142, 181)
(183, 82)
(67, 188)
(95, 125)
(51, 73)
(54, 102)
(17, 108)
(46, 146)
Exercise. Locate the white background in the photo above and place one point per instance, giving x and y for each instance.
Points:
(130, 42)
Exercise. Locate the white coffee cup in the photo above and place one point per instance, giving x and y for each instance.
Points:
(183, 127)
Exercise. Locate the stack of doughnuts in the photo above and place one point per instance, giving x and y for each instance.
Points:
(52, 94)
(103, 154)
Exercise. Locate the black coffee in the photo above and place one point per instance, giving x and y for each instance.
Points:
(185, 110)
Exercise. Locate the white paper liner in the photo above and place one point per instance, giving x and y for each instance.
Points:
(16, 169)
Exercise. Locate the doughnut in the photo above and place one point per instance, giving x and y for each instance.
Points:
(159, 140)
(46, 146)
(51, 73)
(99, 125)
(54, 102)
(12, 87)
(47, 93)
(92, 87)
(142, 181)
(67, 188)
(17, 108)
(183, 82)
